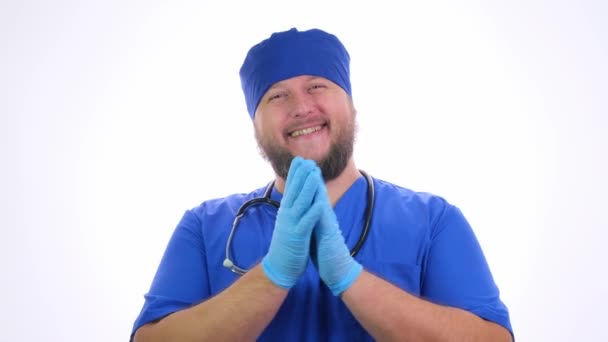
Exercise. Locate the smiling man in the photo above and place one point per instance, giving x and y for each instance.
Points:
(346, 257)
(293, 119)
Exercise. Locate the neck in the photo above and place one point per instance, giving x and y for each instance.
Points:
(335, 187)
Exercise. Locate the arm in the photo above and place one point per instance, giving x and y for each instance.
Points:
(456, 275)
(396, 315)
(239, 313)
(244, 309)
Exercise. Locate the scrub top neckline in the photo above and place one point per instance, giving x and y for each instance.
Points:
(278, 196)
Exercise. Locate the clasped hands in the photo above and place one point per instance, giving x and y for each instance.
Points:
(306, 210)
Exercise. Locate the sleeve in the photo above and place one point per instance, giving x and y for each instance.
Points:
(181, 278)
(457, 273)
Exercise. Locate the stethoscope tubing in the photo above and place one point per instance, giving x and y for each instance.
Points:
(265, 199)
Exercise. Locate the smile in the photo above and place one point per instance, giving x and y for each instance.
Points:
(306, 131)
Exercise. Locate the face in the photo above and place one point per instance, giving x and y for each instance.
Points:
(306, 116)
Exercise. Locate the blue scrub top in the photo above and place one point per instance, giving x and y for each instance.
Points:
(417, 241)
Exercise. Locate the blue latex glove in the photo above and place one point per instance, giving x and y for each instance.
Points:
(337, 268)
(289, 249)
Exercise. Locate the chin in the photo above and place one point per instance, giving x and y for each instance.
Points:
(317, 154)
(317, 157)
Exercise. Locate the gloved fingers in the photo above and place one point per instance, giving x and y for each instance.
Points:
(295, 164)
(298, 173)
(327, 231)
(328, 221)
(307, 194)
(311, 217)
(322, 195)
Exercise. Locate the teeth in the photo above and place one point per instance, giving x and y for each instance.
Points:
(305, 131)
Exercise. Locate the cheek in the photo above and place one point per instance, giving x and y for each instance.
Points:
(269, 129)
(338, 105)
(342, 114)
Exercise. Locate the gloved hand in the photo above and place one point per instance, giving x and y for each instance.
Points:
(289, 249)
(337, 268)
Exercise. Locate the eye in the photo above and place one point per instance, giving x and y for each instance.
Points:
(317, 86)
(276, 96)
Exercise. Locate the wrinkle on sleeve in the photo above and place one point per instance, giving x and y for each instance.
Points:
(181, 279)
(457, 273)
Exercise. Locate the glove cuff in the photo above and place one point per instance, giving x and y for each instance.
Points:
(275, 277)
(348, 280)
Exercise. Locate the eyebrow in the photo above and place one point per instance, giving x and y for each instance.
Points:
(278, 84)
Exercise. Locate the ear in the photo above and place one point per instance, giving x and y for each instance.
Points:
(352, 107)
(257, 120)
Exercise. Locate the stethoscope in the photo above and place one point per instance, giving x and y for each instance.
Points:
(369, 209)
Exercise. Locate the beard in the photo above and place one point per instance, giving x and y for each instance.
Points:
(332, 165)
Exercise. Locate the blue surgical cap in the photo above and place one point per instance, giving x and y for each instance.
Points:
(293, 53)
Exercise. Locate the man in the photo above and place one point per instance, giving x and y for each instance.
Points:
(419, 273)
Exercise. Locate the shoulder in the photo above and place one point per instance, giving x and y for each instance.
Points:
(389, 191)
(226, 205)
(417, 204)
(213, 216)
(420, 207)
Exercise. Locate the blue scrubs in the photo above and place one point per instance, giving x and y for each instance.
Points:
(417, 241)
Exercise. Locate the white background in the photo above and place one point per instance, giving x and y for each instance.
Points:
(118, 116)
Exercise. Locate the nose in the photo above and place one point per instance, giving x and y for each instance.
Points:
(302, 104)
